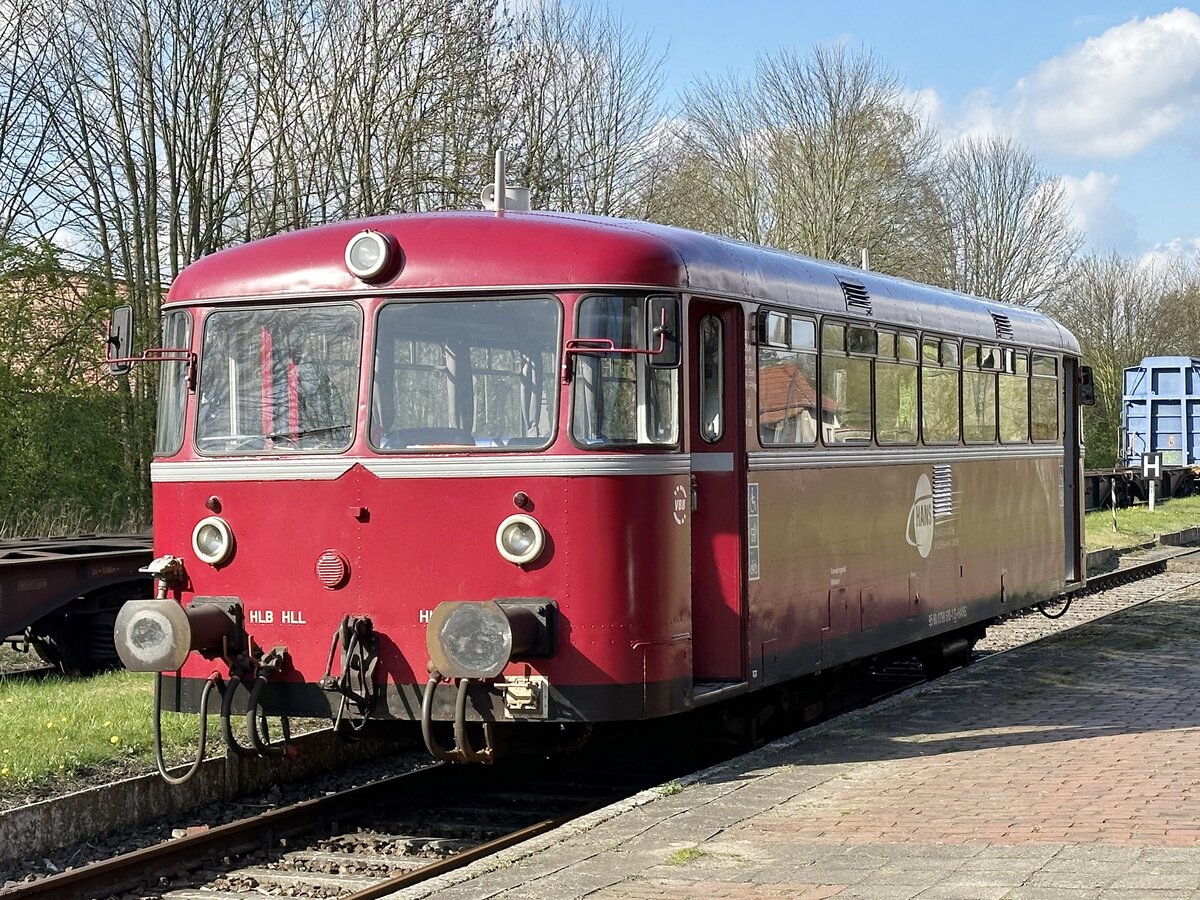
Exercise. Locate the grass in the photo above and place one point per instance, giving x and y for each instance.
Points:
(1137, 525)
(68, 518)
(686, 855)
(670, 789)
(56, 728)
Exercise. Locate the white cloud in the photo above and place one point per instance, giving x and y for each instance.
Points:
(926, 105)
(1094, 212)
(1186, 249)
(979, 115)
(1114, 94)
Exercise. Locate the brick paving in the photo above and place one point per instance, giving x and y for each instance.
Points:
(1069, 768)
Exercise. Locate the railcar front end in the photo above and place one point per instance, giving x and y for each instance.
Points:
(446, 507)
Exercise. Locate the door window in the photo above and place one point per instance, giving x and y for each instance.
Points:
(712, 379)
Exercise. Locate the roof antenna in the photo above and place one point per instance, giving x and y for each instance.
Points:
(499, 196)
(866, 260)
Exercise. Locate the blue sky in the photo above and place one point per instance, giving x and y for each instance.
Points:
(1106, 94)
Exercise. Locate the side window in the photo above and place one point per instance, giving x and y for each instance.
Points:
(1043, 398)
(896, 389)
(846, 354)
(939, 391)
(979, 393)
(711, 378)
(1014, 398)
(787, 379)
(172, 385)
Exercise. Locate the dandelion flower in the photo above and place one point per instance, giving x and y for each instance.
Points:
(115, 740)
(4, 771)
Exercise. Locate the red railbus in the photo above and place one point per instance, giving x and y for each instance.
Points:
(534, 469)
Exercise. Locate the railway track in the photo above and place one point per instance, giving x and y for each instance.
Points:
(375, 839)
(364, 842)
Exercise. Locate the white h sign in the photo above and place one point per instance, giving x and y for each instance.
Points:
(1152, 465)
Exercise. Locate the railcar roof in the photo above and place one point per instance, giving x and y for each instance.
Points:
(481, 250)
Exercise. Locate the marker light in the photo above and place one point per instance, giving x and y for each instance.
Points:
(520, 539)
(369, 255)
(212, 539)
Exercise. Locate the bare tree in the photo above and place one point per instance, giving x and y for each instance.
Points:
(719, 180)
(850, 163)
(584, 106)
(1117, 309)
(1009, 235)
(818, 154)
(25, 55)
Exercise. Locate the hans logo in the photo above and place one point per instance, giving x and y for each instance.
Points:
(919, 532)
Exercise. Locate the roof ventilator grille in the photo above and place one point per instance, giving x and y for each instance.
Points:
(1003, 326)
(856, 296)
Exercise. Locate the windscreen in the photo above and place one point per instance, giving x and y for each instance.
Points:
(466, 375)
(281, 380)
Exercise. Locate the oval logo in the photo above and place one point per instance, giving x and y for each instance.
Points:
(919, 532)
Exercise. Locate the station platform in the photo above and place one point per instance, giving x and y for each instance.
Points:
(1067, 768)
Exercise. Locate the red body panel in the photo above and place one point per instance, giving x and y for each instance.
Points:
(424, 541)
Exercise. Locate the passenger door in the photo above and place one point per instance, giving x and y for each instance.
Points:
(716, 439)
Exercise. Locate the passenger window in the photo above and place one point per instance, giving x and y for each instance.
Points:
(845, 386)
(1014, 399)
(846, 399)
(931, 351)
(950, 356)
(906, 347)
(861, 340)
(774, 329)
(804, 334)
(979, 406)
(711, 379)
(1043, 398)
(887, 345)
(939, 392)
(895, 395)
(833, 337)
(787, 388)
(970, 356)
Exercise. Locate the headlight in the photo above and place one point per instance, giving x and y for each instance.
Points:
(520, 539)
(369, 255)
(212, 540)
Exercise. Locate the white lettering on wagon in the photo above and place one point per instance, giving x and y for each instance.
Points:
(947, 616)
(267, 617)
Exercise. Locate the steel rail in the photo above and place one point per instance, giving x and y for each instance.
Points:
(108, 876)
(466, 857)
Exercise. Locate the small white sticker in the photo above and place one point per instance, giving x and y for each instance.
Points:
(681, 504)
